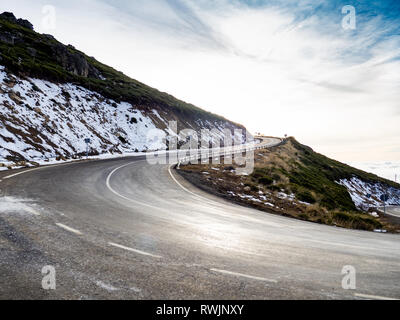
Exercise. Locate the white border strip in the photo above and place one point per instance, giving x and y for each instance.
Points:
(22, 172)
(243, 275)
(68, 228)
(134, 250)
(187, 190)
(372, 297)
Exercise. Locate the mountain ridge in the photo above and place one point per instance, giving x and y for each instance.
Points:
(28, 53)
(53, 97)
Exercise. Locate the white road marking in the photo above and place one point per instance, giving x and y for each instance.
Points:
(122, 196)
(108, 185)
(34, 169)
(134, 250)
(105, 286)
(372, 297)
(70, 162)
(142, 203)
(388, 208)
(243, 275)
(109, 178)
(196, 195)
(32, 211)
(22, 172)
(187, 190)
(136, 290)
(68, 228)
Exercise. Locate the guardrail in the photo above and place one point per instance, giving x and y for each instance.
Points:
(218, 152)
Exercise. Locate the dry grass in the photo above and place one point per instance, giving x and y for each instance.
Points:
(265, 189)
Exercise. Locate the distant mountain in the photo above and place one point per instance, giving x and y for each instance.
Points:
(52, 96)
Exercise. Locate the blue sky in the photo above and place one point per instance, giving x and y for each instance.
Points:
(276, 66)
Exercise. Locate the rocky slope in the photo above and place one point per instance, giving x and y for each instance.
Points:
(53, 96)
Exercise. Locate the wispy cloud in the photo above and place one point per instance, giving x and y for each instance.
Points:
(278, 66)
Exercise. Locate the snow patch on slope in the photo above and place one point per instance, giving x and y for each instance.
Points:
(366, 194)
(15, 205)
(40, 120)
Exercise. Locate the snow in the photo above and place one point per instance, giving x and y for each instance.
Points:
(159, 117)
(63, 123)
(16, 205)
(359, 191)
(269, 204)
(282, 195)
(42, 120)
(249, 197)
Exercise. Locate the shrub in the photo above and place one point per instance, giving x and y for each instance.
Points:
(265, 181)
(342, 216)
(306, 196)
(276, 177)
(356, 220)
(303, 216)
(251, 186)
(274, 188)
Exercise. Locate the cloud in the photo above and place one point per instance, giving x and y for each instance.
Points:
(276, 66)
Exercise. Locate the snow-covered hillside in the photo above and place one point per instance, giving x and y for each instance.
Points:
(366, 194)
(41, 120)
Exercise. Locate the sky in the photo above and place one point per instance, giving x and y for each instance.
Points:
(302, 68)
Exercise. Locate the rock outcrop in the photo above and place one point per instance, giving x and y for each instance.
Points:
(68, 57)
(73, 61)
(22, 22)
(52, 96)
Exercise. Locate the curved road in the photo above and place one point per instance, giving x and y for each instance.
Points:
(393, 211)
(123, 228)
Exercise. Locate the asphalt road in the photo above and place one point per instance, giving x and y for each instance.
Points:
(125, 229)
(392, 211)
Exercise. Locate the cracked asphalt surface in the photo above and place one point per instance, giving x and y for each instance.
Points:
(143, 236)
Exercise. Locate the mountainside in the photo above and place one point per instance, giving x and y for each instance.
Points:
(294, 180)
(53, 96)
